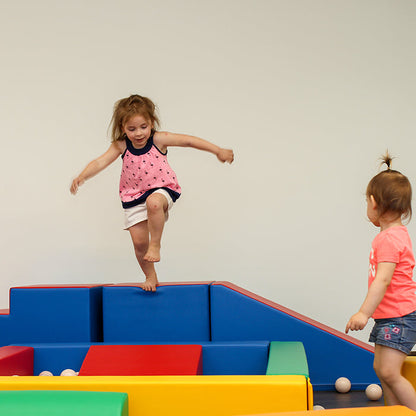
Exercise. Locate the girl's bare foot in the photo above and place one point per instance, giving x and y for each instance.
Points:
(150, 284)
(153, 254)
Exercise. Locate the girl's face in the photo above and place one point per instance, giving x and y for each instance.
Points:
(138, 129)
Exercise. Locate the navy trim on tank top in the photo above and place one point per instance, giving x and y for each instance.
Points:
(174, 195)
(138, 152)
(144, 150)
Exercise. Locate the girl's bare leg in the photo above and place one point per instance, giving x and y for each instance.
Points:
(140, 236)
(397, 389)
(157, 205)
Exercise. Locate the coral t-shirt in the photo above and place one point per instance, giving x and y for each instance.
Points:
(394, 246)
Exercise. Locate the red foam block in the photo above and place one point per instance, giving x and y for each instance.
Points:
(16, 361)
(142, 360)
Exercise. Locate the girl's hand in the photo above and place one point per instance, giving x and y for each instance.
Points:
(225, 155)
(374, 296)
(357, 322)
(76, 183)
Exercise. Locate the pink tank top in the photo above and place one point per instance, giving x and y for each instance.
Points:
(143, 172)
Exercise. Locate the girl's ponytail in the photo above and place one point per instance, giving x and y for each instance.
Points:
(386, 159)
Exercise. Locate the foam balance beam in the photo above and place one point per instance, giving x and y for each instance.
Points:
(186, 395)
(287, 358)
(16, 361)
(142, 360)
(357, 411)
(63, 403)
(173, 313)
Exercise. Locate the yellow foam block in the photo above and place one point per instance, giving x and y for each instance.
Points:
(186, 395)
(409, 369)
(356, 411)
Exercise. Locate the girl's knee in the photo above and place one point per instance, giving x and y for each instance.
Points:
(140, 247)
(387, 373)
(155, 203)
(388, 363)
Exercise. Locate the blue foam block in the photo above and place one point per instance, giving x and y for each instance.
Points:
(235, 316)
(172, 313)
(56, 314)
(6, 330)
(58, 357)
(235, 358)
(219, 358)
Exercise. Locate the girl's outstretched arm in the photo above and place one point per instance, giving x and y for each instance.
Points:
(96, 166)
(374, 296)
(164, 139)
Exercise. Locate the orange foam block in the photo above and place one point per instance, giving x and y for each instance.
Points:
(356, 411)
(142, 360)
(16, 361)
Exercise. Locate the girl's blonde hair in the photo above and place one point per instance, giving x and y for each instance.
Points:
(391, 191)
(126, 108)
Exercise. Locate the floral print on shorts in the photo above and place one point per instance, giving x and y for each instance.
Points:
(398, 333)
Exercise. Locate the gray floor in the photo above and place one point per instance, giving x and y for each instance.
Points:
(334, 400)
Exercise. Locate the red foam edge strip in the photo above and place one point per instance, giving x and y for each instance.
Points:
(130, 284)
(63, 286)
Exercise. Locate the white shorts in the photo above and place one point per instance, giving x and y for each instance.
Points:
(138, 213)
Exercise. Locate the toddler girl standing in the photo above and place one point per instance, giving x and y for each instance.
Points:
(391, 298)
(148, 185)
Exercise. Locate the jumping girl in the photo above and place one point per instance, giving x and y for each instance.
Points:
(148, 185)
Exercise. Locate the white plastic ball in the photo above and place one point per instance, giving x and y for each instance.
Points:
(45, 373)
(318, 407)
(343, 385)
(68, 372)
(373, 392)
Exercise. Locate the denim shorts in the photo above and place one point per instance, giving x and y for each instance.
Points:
(397, 333)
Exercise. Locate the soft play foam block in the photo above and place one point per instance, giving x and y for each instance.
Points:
(16, 361)
(142, 360)
(356, 411)
(219, 358)
(409, 369)
(175, 312)
(186, 395)
(287, 358)
(235, 358)
(237, 314)
(63, 403)
(58, 357)
(52, 314)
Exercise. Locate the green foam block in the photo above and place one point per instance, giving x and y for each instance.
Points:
(287, 358)
(62, 403)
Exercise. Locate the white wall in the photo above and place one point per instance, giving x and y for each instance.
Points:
(308, 93)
